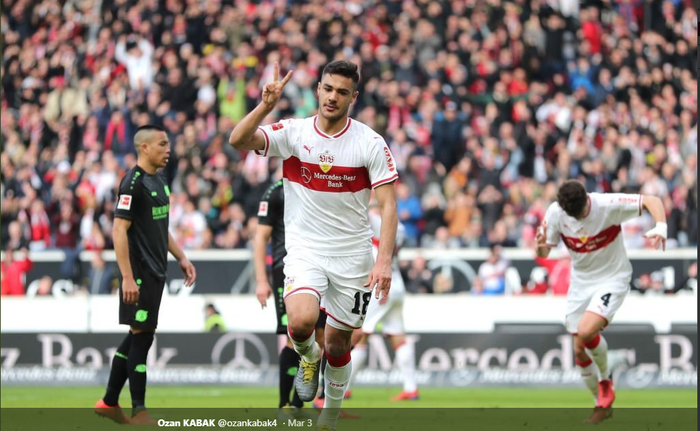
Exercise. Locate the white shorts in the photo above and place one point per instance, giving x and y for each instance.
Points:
(603, 300)
(387, 318)
(337, 282)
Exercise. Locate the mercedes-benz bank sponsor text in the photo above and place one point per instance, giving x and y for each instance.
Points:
(441, 359)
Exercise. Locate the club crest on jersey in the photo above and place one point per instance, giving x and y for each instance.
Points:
(325, 161)
(583, 236)
(288, 284)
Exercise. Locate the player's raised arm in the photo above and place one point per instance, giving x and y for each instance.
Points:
(659, 233)
(245, 136)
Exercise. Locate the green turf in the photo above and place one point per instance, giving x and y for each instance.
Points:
(222, 397)
(436, 410)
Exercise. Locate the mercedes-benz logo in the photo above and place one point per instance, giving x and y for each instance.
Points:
(306, 174)
(237, 352)
(463, 377)
(641, 376)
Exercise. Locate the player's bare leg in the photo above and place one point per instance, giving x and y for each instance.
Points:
(302, 311)
(406, 360)
(589, 334)
(337, 375)
(586, 366)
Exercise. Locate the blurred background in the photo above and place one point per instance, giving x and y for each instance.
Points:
(486, 105)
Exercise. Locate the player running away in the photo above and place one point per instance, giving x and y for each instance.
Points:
(589, 226)
(386, 316)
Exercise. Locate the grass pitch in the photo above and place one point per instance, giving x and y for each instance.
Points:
(70, 409)
(363, 397)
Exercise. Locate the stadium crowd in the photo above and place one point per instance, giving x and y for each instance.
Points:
(486, 106)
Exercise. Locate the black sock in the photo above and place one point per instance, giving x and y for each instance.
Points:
(136, 366)
(289, 363)
(324, 361)
(118, 374)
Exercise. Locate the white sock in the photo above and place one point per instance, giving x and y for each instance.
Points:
(599, 354)
(406, 360)
(308, 349)
(589, 374)
(358, 356)
(337, 379)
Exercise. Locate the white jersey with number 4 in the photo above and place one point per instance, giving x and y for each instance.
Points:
(327, 183)
(595, 243)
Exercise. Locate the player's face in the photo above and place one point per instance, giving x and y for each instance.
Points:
(159, 150)
(335, 95)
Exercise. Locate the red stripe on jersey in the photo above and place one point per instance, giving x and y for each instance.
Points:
(375, 242)
(386, 181)
(267, 144)
(593, 243)
(339, 179)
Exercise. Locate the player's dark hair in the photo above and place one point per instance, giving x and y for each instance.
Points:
(344, 68)
(572, 198)
(150, 127)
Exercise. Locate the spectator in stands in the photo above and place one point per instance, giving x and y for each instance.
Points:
(214, 322)
(410, 213)
(492, 274)
(558, 274)
(102, 278)
(420, 277)
(519, 96)
(14, 271)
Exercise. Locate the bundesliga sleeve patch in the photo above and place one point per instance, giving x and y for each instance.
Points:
(262, 209)
(124, 202)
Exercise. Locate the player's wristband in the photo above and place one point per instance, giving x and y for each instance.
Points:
(661, 229)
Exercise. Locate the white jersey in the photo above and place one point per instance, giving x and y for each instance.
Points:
(328, 182)
(595, 243)
(375, 222)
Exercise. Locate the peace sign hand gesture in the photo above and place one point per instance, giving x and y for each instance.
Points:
(272, 91)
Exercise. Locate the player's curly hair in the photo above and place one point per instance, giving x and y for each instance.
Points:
(572, 198)
(344, 68)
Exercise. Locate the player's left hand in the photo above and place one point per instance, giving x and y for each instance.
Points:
(189, 271)
(658, 235)
(541, 235)
(380, 276)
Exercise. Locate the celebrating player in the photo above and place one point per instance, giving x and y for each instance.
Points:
(387, 317)
(141, 243)
(589, 225)
(331, 164)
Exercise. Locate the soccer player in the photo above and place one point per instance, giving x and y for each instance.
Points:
(387, 317)
(271, 225)
(331, 164)
(141, 243)
(589, 225)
